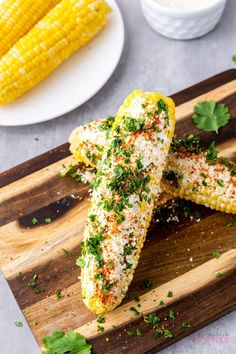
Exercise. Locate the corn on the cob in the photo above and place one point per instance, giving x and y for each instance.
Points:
(17, 17)
(201, 177)
(124, 190)
(67, 27)
(187, 164)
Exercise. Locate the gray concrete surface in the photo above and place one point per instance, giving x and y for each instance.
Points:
(150, 62)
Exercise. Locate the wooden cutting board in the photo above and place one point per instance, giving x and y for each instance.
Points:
(177, 256)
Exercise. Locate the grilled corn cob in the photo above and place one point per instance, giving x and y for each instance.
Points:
(68, 26)
(17, 17)
(124, 190)
(202, 177)
(189, 173)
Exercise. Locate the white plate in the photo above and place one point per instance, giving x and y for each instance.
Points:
(75, 81)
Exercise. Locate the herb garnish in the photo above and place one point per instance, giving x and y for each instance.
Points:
(101, 319)
(210, 116)
(186, 325)
(61, 343)
(100, 329)
(33, 284)
(216, 254)
(172, 314)
(138, 332)
(152, 318)
(135, 311)
(19, 324)
(35, 221)
(58, 294)
(48, 220)
(147, 284)
(170, 294)
(218, 274)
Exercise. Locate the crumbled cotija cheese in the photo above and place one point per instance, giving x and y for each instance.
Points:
(184, 4)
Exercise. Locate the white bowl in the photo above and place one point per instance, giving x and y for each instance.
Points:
(183, 23)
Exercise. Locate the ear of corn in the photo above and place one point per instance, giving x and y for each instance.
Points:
(188, 174)
(192, 176)
(67, 27)
(17, 17)
(124, 190)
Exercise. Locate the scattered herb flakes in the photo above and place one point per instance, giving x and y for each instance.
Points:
(62, 343)
(172, 314)
(230, 224)
(168, 334)
(220, 182)
(139, 305)
(80, 262)
(19, 324)
(33, 284)
(216, 254)
(161, 303)
(186, 325)
(158, 332)
(48, 220)
(35, 221)
(152, 318)
(59, 294)
(170, 294)
(101, 319)
(100, 329)
(147, 284)
(218, 274)
(67, 252)
(134, 310)
(210, 116)
(234, 58)
(129, 332)
(138, 332)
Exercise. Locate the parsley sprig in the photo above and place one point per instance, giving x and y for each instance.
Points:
(210, 116)
(61, 343)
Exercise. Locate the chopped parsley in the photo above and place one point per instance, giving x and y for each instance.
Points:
(220, 182)
(172, 314)
(48, 220)
(67, 252)
(80, 262)
(59, 294)
(92, 217)
(210, 116)
(147, 284)
(35, 221)
(132, 124)
(100, 329)
(138, 332)
(33, 284)
(170, 294)
(152, 318)
(101, 319)
(216, 254)
(19, 324)
(186, 325)
(130, 333)
(135, 311)
(161, 303)
(168, 334)
(218, 274)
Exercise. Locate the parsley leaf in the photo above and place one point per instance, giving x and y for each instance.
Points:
(61, 343)
(210, 116)
(234, 58)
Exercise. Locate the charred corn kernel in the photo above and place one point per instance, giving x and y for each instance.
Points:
(183, 177)
(201, 177)
(124, 190)
(17, 17)
(67, 27)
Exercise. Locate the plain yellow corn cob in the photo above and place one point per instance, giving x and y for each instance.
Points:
(124, 190)
(189, 173)
(67, 27)
(17, 17)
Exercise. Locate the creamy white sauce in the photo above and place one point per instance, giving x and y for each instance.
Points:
(184, 4)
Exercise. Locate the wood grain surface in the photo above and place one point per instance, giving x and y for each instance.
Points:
(177, 257)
